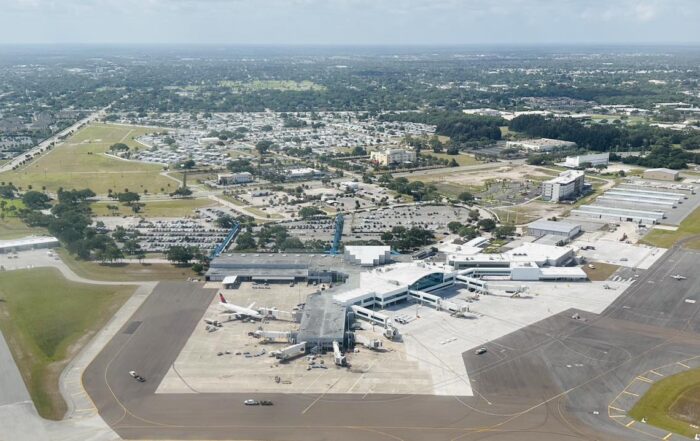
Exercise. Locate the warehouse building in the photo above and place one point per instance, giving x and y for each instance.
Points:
(587, 160)
(662, 174)
(567, 186)
(615, 214)
(542, 227)
(27, 243)
(541, 145)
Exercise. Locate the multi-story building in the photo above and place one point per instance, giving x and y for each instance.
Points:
(235, 178)
(568, 185)
(392, 156)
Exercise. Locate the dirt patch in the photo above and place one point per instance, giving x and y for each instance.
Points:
(687, 406)
(602, 271)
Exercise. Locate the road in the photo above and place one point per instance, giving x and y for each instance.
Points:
(42, 146)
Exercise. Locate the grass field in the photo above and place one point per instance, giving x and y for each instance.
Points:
(666, 239)
(258, 212)
(461, 159)
(602, 271)
(13, 228)
(80, 162)
(672, 404)
(46, 320)
(125, 272)
(174, 208)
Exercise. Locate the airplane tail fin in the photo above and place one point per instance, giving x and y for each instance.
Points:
(251, 305)
(222, 298)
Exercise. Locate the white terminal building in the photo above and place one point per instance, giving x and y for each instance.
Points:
(568, 185)
(395, 283)
(541, 144)
(392, 156)
(591, 160)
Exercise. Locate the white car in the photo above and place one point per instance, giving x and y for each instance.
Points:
(480, 351)
(251, 402)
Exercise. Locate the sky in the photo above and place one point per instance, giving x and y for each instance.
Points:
(350, 22)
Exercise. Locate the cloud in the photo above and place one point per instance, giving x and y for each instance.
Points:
(350, 21)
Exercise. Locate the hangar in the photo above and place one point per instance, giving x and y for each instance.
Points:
(543, 227)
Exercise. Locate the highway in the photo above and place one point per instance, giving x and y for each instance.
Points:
(552, 380)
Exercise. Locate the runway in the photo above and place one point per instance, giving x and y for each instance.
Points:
(549, 381)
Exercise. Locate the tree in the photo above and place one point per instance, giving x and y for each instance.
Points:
(180, 254)
(226, 221)
(245, 241)
(466, 197)
(181, 191)
(486, 224)
(504, 231)
(188, 164)
(35, 200)
(468, 232)
(454, 226)
(307, 212)
(263, 146)
(474, 215)
(119, 147)
(128, 197)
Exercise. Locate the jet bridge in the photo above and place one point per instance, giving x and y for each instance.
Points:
(287, 336)
(274, 313)
(371, 316)
(439, 303)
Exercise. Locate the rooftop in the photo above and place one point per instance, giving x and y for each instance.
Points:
(560, 227)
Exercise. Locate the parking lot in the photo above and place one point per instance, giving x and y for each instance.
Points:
(157, 236)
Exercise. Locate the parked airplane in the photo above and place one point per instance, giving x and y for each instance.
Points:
(678, 277)
(239, 311)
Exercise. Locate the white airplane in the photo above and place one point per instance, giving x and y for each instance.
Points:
(239, 311)
(678, 277)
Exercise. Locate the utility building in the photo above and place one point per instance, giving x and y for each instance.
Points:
(543, 227)
(662, 174)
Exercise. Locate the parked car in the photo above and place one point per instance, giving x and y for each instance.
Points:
(251, 402)
(480, 351)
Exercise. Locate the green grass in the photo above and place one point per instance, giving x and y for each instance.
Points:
(80, 163)
(46, 320)
(258, 212)
(666, 239)
(125, 272)
(461, 159)
(174, 208)
(658, 404)
(602, 271)
(13, 228)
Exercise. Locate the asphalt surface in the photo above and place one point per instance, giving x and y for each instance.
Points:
(552, 380)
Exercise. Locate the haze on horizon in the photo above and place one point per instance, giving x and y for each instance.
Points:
(350, 22)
